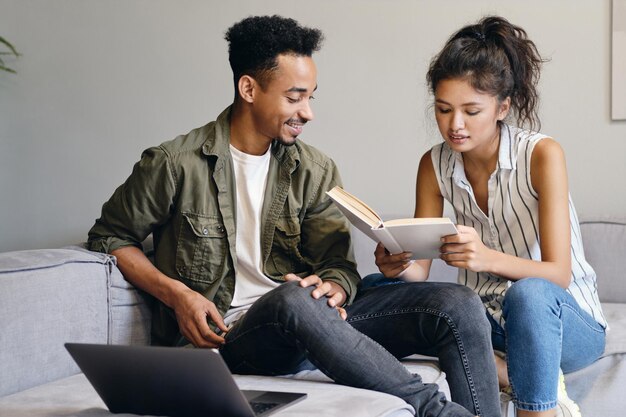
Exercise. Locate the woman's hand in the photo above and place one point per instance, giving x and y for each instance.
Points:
(391, 265)
(466, 250)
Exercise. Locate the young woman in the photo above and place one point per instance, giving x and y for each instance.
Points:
(519, 245)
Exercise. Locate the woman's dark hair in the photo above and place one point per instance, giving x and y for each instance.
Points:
(255, 43)
(495, 57)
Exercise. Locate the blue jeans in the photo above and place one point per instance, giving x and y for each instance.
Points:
(287, 328)
(544, 330)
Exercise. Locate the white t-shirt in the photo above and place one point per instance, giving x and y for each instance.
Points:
(250, 282)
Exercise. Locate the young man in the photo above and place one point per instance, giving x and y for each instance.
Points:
(252, 258)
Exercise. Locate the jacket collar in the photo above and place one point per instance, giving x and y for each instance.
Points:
(218, 138)
(218, 141)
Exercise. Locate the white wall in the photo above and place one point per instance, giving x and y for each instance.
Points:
(99, 81)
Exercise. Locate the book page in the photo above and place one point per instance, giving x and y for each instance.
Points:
(422, 220)
(356, 206)
(423, 240)
(420, 236)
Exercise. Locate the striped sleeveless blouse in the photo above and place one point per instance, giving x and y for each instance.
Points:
(512, 225)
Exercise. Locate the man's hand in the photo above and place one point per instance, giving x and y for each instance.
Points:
(192, 310)
(334, 292)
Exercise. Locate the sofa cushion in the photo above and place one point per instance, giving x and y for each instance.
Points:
(615, 314)
(599, 389)
(48, 297)
(604, 242)
(74, 396)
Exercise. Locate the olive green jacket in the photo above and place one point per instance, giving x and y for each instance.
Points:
(183, 192)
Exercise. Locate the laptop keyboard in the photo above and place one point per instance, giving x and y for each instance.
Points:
(260, 408)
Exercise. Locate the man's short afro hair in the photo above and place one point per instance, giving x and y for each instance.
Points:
(255, 43)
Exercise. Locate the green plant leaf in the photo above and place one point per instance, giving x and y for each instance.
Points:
(3, 68)
(8, 45)
(12, 51)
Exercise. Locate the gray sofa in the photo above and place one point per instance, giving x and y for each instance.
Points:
(52, 296)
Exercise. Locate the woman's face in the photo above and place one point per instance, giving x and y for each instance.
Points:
(467, 118)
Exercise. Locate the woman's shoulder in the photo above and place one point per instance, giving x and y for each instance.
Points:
(520, 135)
(524, 142)
(546, 149)
(440, 151)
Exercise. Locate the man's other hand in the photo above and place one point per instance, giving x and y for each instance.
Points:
(192, 311)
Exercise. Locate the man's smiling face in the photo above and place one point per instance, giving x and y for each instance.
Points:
(282, 107)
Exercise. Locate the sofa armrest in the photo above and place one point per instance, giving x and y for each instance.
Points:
(48, 297)
(52, 296)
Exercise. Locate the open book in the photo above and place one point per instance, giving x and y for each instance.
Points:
(421, 237)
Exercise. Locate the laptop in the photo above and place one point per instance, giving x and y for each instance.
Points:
(175, 382)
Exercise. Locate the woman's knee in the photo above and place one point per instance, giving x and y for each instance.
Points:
(529, 293)
(530, 302)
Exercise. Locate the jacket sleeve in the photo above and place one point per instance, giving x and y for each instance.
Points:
(138, 206)
(326, 237)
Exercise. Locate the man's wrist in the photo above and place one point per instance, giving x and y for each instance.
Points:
(172, 291)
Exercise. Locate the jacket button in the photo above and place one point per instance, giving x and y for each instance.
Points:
(205, 231)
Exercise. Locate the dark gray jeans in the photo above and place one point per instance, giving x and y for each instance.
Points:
(286, 327)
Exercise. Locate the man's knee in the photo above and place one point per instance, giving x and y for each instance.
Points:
(292, 298)
(460, 307)
(457, 302)
(459, 299)
(467, 307)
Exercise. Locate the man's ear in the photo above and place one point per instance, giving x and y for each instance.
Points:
(247, 88)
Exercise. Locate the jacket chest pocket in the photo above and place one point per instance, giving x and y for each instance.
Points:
(286, 245)
(202, 248)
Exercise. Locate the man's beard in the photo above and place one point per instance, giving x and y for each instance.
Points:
(286, 142)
